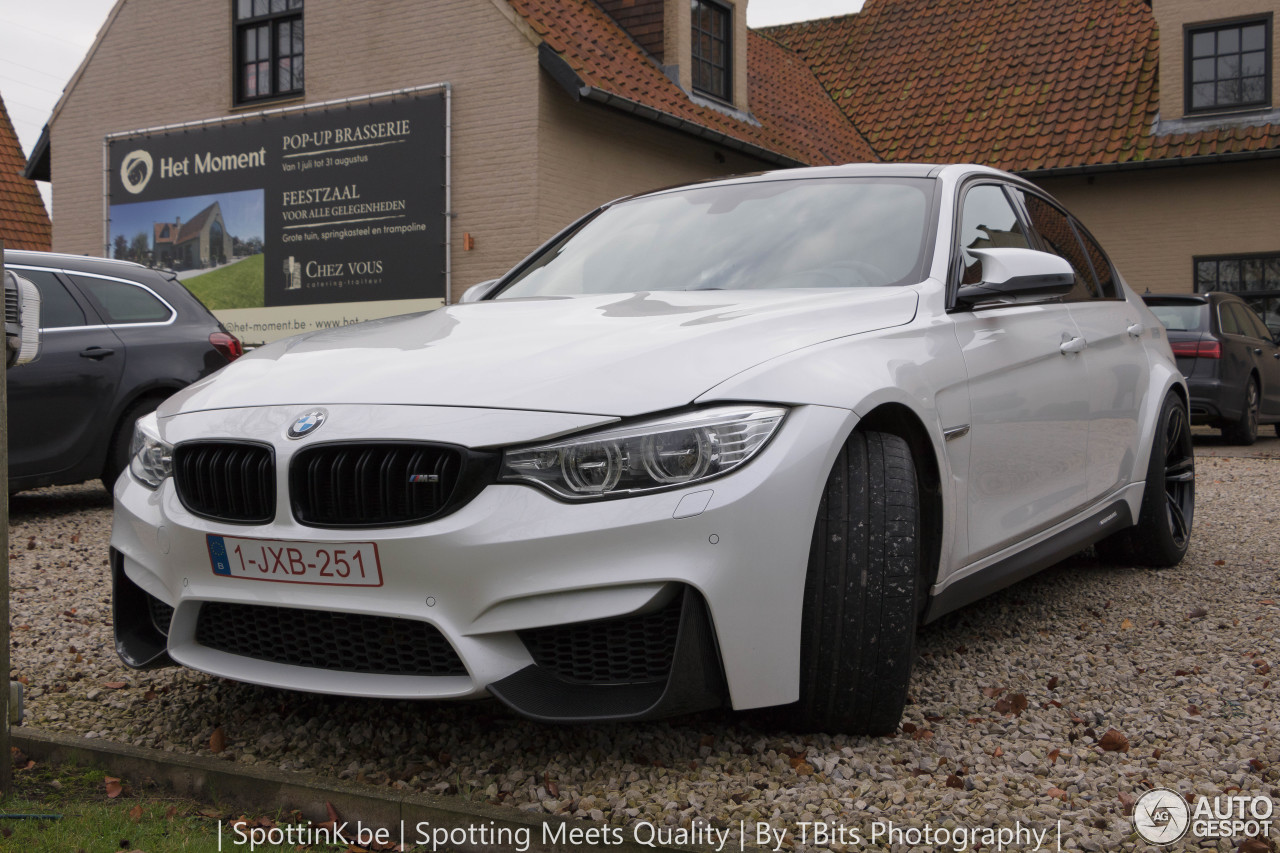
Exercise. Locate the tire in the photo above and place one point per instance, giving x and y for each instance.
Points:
(1245, 430)
(1163, 532)
(861, 591)
(118, 450)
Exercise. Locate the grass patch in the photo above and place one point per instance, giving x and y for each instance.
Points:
(142, 817)
(237, 285)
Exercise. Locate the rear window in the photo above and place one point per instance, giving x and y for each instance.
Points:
(1182, 317)
(119, 302)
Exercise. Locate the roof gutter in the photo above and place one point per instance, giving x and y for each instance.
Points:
(1141, 165)
(560, 71)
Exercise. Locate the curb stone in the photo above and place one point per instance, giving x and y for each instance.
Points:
(259, 789)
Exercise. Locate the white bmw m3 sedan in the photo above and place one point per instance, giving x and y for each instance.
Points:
(729, 443)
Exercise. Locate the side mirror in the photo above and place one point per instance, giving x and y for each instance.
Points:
(1017, 275)
(21, 320)
(476, 292)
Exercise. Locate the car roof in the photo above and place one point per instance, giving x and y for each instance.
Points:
(82, 263)
(1192, 298)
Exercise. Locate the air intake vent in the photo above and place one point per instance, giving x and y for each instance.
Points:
(629, 650)
(227, 481)
(376, 484)
(322, 639)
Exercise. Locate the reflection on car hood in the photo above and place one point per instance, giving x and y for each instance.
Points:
(614, 354)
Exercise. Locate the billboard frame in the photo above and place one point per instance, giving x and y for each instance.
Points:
(239, 118)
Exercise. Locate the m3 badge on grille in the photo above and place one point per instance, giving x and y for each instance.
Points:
(307, 423)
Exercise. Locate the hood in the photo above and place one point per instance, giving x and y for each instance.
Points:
(614, 354)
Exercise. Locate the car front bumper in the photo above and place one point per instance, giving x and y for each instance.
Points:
(513, 565)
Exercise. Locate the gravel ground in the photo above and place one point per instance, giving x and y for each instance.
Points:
(1013, 699)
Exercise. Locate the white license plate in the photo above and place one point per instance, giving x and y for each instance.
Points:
(329, 563)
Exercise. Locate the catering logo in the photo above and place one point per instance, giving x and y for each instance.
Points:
(307, 423)
(1161, 816)
(135, 171)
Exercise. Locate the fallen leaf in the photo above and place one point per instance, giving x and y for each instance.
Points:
(1267, 601)
(1053, 683)
(1257, 765)
(1127, 802)
(31, 544)
(135, 813)
(999, 752)
(1193, 710)
(804, 769)
(933, 718)
(552, 787)
(113, 787)
(1053, 756)
(331, 811)
(1219, 562)
(1180, 672)
(923, 734)
(209, 811)
(1126, 624)
(1156, 753)
(1057, 793)
(1003, 706)
(707, 740)
(908, 728)
(1253, 845)
(1019, 702)
(954, 781)
(75, 538)
(992, 692)
(1114, 741)
(218, 740)
(1264, 669)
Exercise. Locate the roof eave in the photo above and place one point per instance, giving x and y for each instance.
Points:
(37, 168)
(560, 70)
(1161, 163)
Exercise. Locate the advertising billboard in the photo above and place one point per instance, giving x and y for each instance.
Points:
(291, 220)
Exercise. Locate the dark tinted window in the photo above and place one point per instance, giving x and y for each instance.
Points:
(987, 221)
(1110, 289)
(1055, 229)
(840, 232)
(1182, 317)
(58, 309)
(118, 302)
(1230, 319)
(1254, 327)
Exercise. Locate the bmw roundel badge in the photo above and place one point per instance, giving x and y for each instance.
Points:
(307, 423)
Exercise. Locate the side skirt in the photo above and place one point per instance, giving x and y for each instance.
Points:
(1114, 517)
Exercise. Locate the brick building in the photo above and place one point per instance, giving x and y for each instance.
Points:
(1157, 125)
(24, 223)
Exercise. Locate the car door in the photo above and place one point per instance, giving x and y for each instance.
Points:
(1028, 387)
(1113, 352)
(1266, 357)
(1238, 358)
(57, 404)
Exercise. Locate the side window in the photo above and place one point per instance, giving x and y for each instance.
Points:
(58, 308)
(1054, 228)
(1101, 264)
(1229, 320)
(1254, 327)
(987, 221)
(118, 302)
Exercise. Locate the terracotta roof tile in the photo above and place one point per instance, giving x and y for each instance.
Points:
(1004, 70)
(24, 223)
(793, 115)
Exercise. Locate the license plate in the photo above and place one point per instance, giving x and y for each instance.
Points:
(327, 563)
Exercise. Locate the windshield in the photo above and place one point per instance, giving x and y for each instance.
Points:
(839, 232)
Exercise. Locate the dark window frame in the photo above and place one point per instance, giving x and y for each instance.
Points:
(699, 63)
(1261, 257)
(289, 12)
(1098, 292)
(1189, 31)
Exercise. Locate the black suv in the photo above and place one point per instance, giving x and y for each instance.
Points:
(117, 338)
(1230, 359)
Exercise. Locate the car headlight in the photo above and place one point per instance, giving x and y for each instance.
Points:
(664, 453)
(150, 459)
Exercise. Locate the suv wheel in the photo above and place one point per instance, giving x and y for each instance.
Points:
(1163, 532)
(118, 450)
(861, 591)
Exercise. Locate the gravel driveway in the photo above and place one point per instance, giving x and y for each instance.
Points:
(1013, 699)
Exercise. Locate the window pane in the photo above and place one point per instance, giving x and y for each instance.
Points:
(1254, 37)
(297, 37)
(1202, 95)
(1229, 41)
(1253, 90)
(123, 303)
(249, 80)
(277, 5)
(1101, 266)
(264, 78)
(284, 75)
(1253, 64)
(259, 7)
(264, 42)
(283, 39)
(1228, 92)
(58, 309)
(295, 4)
(1206, 276)
(1228, 67)
(987, 222)
(1273, 274)
(244, 8)
(1251, 274)
(250, 45)
(297, 73)
(1056, 231)
(1229, 275)
(1202, 44)
(1202, 70)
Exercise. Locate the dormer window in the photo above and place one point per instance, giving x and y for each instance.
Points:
(1228, 65)
(268, 49)
(711, 48)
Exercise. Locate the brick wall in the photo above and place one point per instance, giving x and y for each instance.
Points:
(1153, 222)
(1172, 15)
(159, 65)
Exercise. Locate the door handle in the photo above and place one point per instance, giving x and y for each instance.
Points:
(96, 353)
(1257, 350)
(1076, 344)
(1136, 330)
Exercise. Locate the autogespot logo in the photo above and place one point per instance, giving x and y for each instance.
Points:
(135, 171)
(1161, 816)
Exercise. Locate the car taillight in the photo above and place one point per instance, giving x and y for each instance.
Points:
(1197, 349)
(227, 344)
